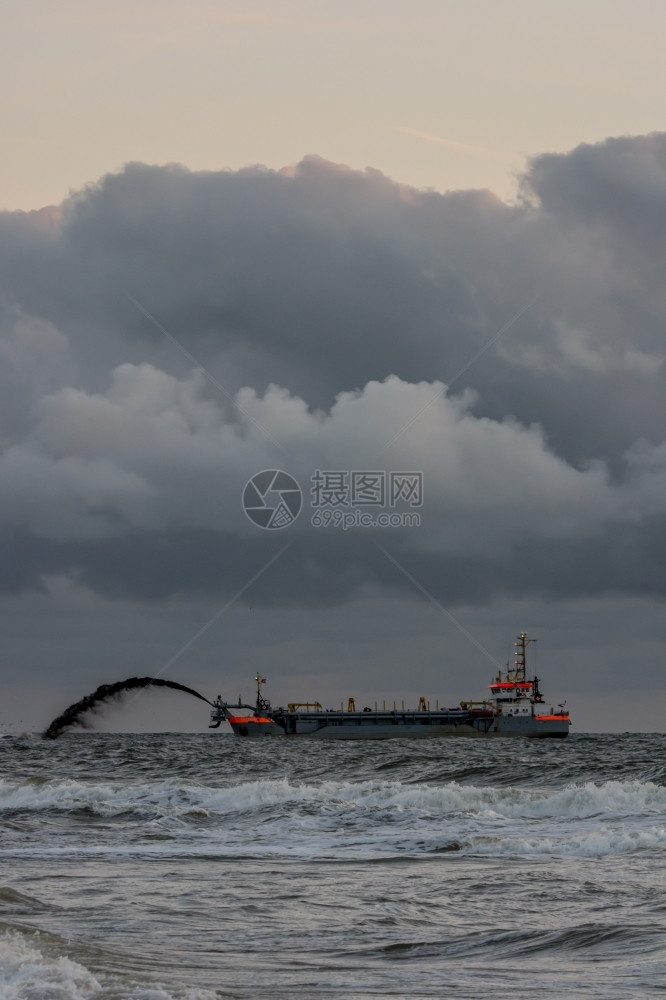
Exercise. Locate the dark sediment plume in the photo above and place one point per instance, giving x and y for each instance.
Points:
(72, 715)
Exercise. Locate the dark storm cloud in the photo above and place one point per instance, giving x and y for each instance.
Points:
(320, 279)
(619, 185)
(123, 469)
(312, 279)
(315, 572)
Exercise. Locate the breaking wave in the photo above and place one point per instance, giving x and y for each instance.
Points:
(33, 970)
(278, 817)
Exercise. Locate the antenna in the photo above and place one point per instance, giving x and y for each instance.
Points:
(519, 663)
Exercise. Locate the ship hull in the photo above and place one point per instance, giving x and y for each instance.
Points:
(375, 726)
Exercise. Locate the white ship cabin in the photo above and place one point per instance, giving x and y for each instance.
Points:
(513, 694)
(512, 697)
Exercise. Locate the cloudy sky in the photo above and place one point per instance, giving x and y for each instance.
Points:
(358, 239)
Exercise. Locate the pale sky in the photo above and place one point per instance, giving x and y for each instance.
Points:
(433, 93)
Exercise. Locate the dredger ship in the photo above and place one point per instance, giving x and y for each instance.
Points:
(515, 707)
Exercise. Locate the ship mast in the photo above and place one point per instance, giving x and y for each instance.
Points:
(519, 664)
(263, 705)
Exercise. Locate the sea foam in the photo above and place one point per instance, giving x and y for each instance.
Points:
(27, 972)
(281, 818)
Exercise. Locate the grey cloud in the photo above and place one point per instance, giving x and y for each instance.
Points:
(619, 184)
(98, 464)
(321, 279)
(355, 295)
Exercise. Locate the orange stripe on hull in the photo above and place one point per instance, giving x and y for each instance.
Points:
(551, 718)
(248, 718)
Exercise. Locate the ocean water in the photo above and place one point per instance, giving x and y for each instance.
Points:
(192, 867)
